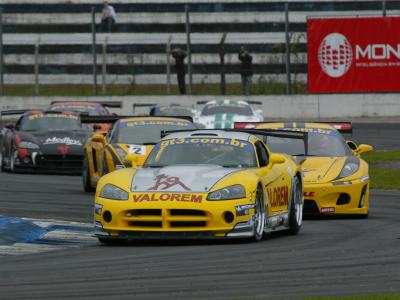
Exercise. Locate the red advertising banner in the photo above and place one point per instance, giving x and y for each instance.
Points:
(360, 54)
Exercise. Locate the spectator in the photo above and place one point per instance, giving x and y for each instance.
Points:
(108, 18)
(179, 56)
(246, 70)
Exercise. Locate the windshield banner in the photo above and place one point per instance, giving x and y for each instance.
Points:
(359, 54)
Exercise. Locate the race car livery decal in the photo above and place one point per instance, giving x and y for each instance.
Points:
(312, 130)
(137, 149)
(278, 196)
(66, 141)
(67, 116)
(179, 197)
(166, 182)
(221, 141)
(327, 209)
(63, 149)
(153, 122)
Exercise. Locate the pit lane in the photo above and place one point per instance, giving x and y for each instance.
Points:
(328, 257)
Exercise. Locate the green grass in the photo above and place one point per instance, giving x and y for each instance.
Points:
(264, 88)
(384, 169)
(371, 297)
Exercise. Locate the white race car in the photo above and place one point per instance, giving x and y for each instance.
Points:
(224, 113)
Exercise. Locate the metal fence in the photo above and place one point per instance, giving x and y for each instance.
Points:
(276, 35)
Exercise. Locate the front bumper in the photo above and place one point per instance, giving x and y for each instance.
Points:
(344, 198)
(168, 219)
(56, 163)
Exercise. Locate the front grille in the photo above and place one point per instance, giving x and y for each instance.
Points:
(145, 212)
(310, 207)
(157, 224)
(60, 161)
(166, 218)
(187, 212)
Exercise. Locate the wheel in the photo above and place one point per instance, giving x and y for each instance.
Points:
(2, 168)
(259, 217)
(13, 155)
(87, 185)
(296, 207)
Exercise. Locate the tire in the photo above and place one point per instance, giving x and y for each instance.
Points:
(296, 207)
(259, 217)
(12, 160)
(87, 185)
(2, 168)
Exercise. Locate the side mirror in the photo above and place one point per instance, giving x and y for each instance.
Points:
(133, 159)
(352, 145)
(98, 138)
(9, 126)
(363, 148)
(276, 158)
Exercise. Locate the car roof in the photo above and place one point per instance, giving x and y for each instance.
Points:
(210, 134)
(295, 125)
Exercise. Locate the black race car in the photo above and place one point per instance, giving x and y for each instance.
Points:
(51, 141)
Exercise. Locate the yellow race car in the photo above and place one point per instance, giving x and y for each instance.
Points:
(106, 151)
(336, 179)
(202, 184)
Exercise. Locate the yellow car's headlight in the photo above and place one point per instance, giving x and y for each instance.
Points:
(110, 191)
(350, 167)
(230, 192)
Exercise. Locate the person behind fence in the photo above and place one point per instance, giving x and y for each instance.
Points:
(246, 70)
(108, 18)
(179, 56)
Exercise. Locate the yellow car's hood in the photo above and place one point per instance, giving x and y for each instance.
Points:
(322, 169)
(179, 178)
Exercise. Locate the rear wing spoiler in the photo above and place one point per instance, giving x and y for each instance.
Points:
(113, 119)
(342, 127)
(202, 102)
(112, 104)
(13, 112)
(287, 134)
(135, 105)
(252, 102)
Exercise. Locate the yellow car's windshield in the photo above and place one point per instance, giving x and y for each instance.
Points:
(318, 145)
(146, 131)
(217, 151)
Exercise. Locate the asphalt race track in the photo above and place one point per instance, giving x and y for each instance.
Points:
(328, 257)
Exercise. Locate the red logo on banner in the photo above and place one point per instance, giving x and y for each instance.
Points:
(353, 54)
